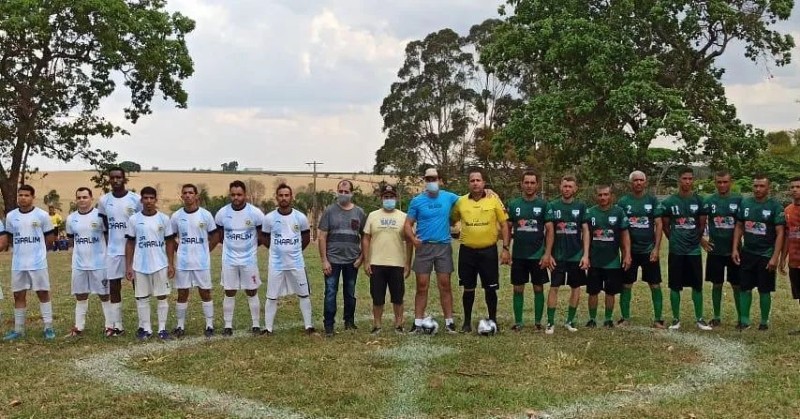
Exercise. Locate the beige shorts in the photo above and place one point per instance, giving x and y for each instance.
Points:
(281, 283)
(155, 284)
(240, 278)
(38, 280)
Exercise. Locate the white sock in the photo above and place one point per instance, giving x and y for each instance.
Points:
(19, 320)
(47, 314)
(255, 310)
(180, 311)
(417, 322)
(305, 309)
(163, 311)
(81, 307)
(143, 308)
(228, 303)
(208, 313)
(449, 321)
(270, 308)
(107, 314)
(116, 316)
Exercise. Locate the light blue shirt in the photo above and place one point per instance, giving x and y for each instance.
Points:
(432, 215)
(240, 243)
(27, 231)
(89, 242)
(151, 233)
(193, 229)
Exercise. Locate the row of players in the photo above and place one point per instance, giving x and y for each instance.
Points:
(557, 242)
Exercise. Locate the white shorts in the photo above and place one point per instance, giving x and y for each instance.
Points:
(280, 283)
(195, 278)
(240, 278)
(115, 267)
(38, 280)
(155, 284)
(89, 282)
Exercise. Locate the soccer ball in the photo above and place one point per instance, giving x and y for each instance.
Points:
(487, 327)
(429, 326)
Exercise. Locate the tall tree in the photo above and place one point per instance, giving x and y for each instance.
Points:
(60, 58)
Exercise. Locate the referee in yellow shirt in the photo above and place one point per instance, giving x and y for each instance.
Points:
(477, 256)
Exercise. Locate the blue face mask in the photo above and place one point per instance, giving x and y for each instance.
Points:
(344, 199)
(389, 204)
(432, 186)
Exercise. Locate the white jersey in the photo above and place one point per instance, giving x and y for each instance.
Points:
(27, 230)
(87, 231)
(151, 234)
(117, 211)
(240, 228)
(193, 229)
(286, 244)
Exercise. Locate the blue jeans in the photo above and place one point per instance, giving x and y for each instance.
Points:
(349, 274)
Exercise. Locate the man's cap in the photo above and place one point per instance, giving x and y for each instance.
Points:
(388, 190)
(431, 172)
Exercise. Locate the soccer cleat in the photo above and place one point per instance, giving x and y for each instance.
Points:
(415, 330)
(310, 331)
(329, 331)
(266, 332)
(178, 332)
(75, 333)
(350, 326)
(13, 335)
(451, 328)
(742, 326)
(400, 330)
(109, 332)
(49, 334)
(570, 326)
(702, 325)
(763, 327)
(608, 324)
(209, 332)
(715, 323)
(591, 324)
(538, 327)
(659, 324)
(119, 332)
(516, 328)
(255, 330)
(466, 328)
(550, 329)
(375, 331)
(164, 335)
(623, 323)
(676, 325)
(227, 331)
(142, 334)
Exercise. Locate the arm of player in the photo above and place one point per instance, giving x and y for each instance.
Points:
(305, 238)
(408, 228)
(654, 255)
(587, 241)
(626, 249)
(549, 238)
(172, 248)
(505, 257)
(130, 247)
(665, 226)
(737, 238)
(214, 237)
(781, 264)
(3, 241)
(366, 239)
(773, 261)
(322, 244)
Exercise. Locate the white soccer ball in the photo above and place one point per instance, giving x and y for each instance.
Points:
(487, 327)
(429, 326)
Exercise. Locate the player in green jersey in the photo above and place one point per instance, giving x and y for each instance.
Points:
(760, 222)
(526, 218)
(566, 251)
(684, 222)
(644, 216)
(721, 208)
(608, 229)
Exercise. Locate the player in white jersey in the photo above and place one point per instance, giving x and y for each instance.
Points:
(239, 223)
(87, 232)
(116, 207)
(149, 257)
(286, 234)
(196, 238)
(32, 234)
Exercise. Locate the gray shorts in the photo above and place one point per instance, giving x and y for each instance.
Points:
(433, 256)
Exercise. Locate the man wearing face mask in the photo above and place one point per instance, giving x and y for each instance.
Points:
(387, 258)
(340, 252)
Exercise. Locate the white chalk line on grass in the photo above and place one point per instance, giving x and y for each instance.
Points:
(724, 360)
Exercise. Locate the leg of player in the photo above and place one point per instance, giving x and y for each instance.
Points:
(552, 303)
(115, 294)
(208, 310)
(592, 302)
(20, 305)
(105, 303)
(446, 296)
(81, 307)
(716, 302)
(46, 308)
(518, 299)
(349, 278)
(377, 289)
(572, 311)
(538, 306)
(625, 304)
(329, 307)
(420, 300)
(657, 295)
(181, 306)
(675, 303)
(143, 310)
(697, 301)
(162, 314)
(609, 314)
(794, 281)
(467, 299)
(735, 290)
(255, 310)
(228, 305)
(765, 303)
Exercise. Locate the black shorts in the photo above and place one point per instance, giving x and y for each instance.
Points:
(685, 271)
(651, 271)
(716, 265)
(568, 273)
(524, 270)
(753, 273)
(475, 262)
(794, 280)
(607, 280)
(387, 277)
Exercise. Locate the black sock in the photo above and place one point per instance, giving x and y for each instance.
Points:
(468, 298)
(491, 303)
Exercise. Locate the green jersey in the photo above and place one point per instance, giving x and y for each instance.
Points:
(684, 223)
(527, 221)
(567, 219)
(760, 219)
(606, 227)
(642, 213)
(721, 211)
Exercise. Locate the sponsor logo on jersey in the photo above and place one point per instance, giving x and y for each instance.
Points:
(733, 206)
(693, 207)
(647, 207)
(147, 244)
(603, 235)
(130, 211)
(248, 223)
(238, 236)
(766, 213)
(576, 213)
(86, 240)
(34, 224)
(192, 240)
(27, 240)
(202, 224)
(612, 220)
(537, 210)
(296, 227)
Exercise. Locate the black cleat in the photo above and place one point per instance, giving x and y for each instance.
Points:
(265, 332)
(255, 330)
(763, 327)
(715, 323)
(227, 331)
(209, 332)
(178, 332)
(608, 324)
(591, 324)
(466, 328)
(516, 328)
(350, 326)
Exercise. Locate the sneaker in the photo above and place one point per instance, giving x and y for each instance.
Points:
(516, 328)
(742, 326)
(209, 332)
(538, 327)
(350, 326)
(715, 323)
(164, 335)
(142, 334)
(13, 335)
(119, 332)
(74, 333)
(450, 328)
(676, 325)
(591, 324)
(265, 332)
(329, 331)
(763, 327)
(178, 332)
(228, 331)
(109, 332)
(310, 331)
(550, 329)
(659, 324)
(609, 324)
(49, 334)
(623, 323)
(571, 326)
(255, 330)
(375, 331)
(466, 328)
(702, 325)
(400, 330)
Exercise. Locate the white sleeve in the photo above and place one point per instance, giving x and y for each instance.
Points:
(47, 225)
(68, 227)
(266, 225)
(101, 206)
(211, 224)
(168, 230)
(173, 221)
(219, 217)
(130, 232)
(304, 226)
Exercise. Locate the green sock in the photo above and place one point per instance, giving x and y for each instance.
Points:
(538, 306)
(551, 315)
(697, 300)
(737, 303)
(658, 303)
(609, 313)
(765, 300)
(593, 313)
(675, 302)
(745, 301)
(716, 299)
(519, 300)
(571, 314)
(625, 303)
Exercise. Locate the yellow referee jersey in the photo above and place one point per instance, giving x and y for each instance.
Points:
(479, 220)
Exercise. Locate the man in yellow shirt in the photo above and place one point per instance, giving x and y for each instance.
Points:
(57, 220)
(477, 256)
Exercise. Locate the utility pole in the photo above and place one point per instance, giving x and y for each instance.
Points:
(313, 214)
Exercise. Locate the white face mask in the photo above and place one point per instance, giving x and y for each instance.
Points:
(432, 186)
(344, 198)
(389, 204)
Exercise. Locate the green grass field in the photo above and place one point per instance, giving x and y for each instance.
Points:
(689, 373)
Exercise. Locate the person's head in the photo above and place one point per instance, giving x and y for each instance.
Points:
(477, 182)
(794, 188)
(237, 192)
(51, 209)
(569, 186)
(388, 197)
(529, 183)
(25, 196)
(83, 199)
(116, 178)
(283, 194)
(149, 198)
(432, 180)
(760, 186)
(344, 192)
(638, 181)
(722, 181)
(685, 179)
(603, 195)
(189, 195)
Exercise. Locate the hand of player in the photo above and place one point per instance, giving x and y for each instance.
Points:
(707, 245)
(549, 262)
(368, 269)
(170, 272)
(416, 242)
(735, 256)
(358, 261)
(327, 269)
(406, 271)
(654, 255)
(782, 266)
(772, 264)
(505, 257)
(626, 262)
(129, 274)
(584, 263)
